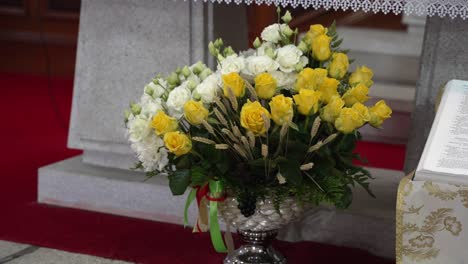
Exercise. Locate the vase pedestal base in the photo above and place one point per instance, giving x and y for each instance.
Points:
(257, 249)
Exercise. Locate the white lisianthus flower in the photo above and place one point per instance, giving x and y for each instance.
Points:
(150, 106)
(259, 64)
(232, 63)
(177, 99)
(284, 80)
(271, 33)
(157, 89)
(288, 57)
(151, 152)
(208, 88)
(138, 128)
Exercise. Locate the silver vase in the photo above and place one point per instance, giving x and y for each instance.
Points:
(259, 230)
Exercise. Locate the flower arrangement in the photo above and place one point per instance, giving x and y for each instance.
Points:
(280, 120)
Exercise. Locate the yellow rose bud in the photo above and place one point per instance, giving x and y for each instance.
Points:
(281, 109)
(321, 47)
(265, 85)
(338, 66)
(357, 94)
(234, 82)
(329, 89)
(195, 112)
(252, 117)
(379, 113)
(177, 142)
(332, 110)
(363, 112)
(307, 101)
(310, 79)
(163, 123)
(348, 120)
(315, 30)
(362, 75)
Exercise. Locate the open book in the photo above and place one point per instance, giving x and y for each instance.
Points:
(445, 155)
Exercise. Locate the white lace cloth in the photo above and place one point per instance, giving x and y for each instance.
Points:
(442, 8)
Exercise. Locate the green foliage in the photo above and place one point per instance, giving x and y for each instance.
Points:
(179, 181)
(289, 168)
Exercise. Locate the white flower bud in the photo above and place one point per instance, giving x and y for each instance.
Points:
(303, 47)
(287, 31)
(287, 17)
(186, 71)
(135, 108)
(205, 73)
(173, 79)
(257, 43)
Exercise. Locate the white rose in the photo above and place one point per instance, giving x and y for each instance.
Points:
(177, 99)
(158, 89)
(284, 80)
(271, 33)
(260, 64)
(287, 57)
(208, 88)
(138, 128)
(232, 63)
(150, 106)
(151, 152)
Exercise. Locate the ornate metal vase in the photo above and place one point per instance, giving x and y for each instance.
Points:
(258, 230)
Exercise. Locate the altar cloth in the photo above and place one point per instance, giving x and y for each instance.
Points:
(442, 8)
(431, 222)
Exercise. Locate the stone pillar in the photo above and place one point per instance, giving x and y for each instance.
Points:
(444, 57)
(122, 45)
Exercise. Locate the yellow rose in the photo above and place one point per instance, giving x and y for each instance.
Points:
(321, 47)
(363, 112)
(265, 85)
(357, 94)
(332, 110)
(163, 123)
(348, 120)
(329, 89)
(379, 113)
(315, 30)
(310, 79)
(362, 75)
(195, 112)
(177, 142)
(235, 82)
(338, 66)
(307, 101)
(281, 109)
(252, 117)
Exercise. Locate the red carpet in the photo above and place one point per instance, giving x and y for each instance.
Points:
(33, 136)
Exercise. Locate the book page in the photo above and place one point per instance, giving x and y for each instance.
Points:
(447, 152)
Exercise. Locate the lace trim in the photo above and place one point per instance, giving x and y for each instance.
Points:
(442, 8)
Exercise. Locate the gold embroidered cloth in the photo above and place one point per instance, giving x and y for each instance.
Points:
(431, 220)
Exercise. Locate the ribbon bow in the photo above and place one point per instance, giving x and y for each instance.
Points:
(211, 193)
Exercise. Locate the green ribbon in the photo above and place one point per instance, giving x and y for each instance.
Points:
(216, 191)
(188, 202)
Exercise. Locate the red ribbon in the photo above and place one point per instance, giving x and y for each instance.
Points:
(204, 192)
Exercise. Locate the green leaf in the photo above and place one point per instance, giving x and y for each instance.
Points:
(296, 150)
(179, 181)
(199, 176)
(290, 170)
(337, 43)
(183, 162)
